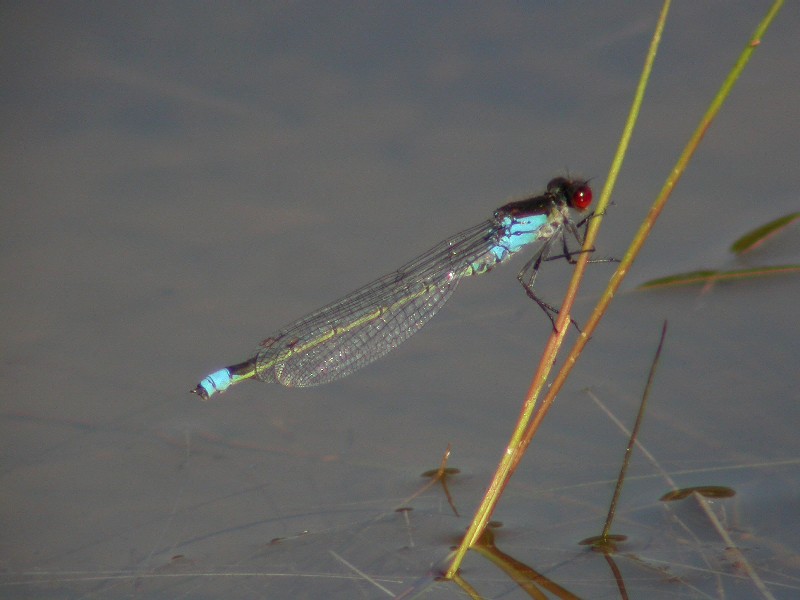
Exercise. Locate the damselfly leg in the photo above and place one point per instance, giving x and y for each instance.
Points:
(527, 274)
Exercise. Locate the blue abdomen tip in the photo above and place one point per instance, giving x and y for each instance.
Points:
(218, 381)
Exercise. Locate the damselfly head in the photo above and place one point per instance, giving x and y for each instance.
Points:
(576, 192)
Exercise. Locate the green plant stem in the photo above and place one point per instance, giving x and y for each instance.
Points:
(526, 427)
(518, 443)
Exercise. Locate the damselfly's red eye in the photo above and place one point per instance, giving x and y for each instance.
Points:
(582, 197)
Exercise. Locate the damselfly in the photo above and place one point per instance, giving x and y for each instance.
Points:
(348, 334)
